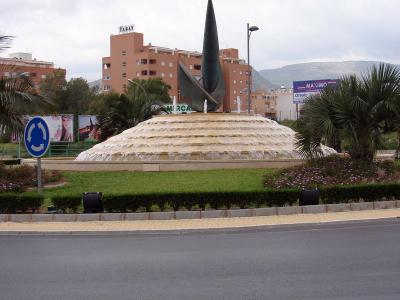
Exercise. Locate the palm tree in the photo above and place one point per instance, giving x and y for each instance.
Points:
(143, 99)
(15, 93)
(18, 96)
(4, 41)
(356, 111)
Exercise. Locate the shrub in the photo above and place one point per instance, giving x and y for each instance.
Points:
(17, 179)
(332, 171)
(13, 203)
(367, 192)
(67, 203)
(126, 202)
(216, 200)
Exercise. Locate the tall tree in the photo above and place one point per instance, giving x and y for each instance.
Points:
(54, 85)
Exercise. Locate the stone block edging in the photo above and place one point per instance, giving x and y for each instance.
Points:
(207, 214)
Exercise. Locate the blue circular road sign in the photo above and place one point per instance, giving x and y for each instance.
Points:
(37, 137)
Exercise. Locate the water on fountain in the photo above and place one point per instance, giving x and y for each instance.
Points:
(198, 136)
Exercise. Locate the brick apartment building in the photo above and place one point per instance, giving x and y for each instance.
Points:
(264, 103)
(130, 58)
(22, 63)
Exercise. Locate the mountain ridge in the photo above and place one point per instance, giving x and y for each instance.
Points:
(315, 70)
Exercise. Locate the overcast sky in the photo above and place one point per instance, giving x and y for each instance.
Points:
(74, 34)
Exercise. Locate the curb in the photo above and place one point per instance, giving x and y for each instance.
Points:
(226, 230)
(208, 214)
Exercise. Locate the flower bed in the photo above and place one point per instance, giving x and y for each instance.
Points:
(333, 171)
(18, 179)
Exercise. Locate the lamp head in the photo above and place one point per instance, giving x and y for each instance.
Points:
(253, 28)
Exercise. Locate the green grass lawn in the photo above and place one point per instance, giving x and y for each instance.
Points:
(141, 182)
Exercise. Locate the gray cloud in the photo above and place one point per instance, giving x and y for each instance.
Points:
(75, 34)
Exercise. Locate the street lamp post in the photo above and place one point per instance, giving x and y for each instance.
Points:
(249, 31)
(139, 85)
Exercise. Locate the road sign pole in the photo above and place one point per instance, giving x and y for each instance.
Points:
(37, 142)
(19, 146)
(39, 175)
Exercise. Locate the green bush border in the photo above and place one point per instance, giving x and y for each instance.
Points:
(69, 203)
(353, 193)
(215, 200)
(13, 203)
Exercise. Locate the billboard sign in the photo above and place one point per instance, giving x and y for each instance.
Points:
(304, 89)
(88, 128)
(127, 28)
(61, 127)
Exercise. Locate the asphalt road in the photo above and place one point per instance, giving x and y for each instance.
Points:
(353, 261)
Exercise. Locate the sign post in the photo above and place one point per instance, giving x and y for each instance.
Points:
(37, 141)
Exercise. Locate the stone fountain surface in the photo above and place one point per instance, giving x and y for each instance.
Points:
(198, 136)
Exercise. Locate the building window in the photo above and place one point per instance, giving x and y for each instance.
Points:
(152, 61)
(163, 63)
(124, 63)
(197, 67)
(143, 61)
(106, 77)
(6, 74)
(33, 74)
(152, 73)
(44, 76)
(138, 62)
(241, 73)
(162, 74)
(124, 75)
(241, 81)
(234, 92)
(171, 64)
(137, 74)
(170, 75)
(123, 52)
(191, 67)
(124, 86)
(107, 66)
(144, 72)
(234, 82)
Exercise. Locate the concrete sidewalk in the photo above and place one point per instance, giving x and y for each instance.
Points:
(192, 224)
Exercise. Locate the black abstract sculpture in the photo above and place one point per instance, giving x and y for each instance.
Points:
(211, 86)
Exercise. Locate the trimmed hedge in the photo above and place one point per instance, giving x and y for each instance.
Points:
(216, 200)
(13, 203)
(11, 162)
(67, 203)
(353, 193)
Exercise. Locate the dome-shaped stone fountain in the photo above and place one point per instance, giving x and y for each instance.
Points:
(213, 136)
